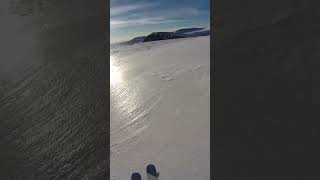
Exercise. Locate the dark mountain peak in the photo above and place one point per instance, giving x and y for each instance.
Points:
(155, 36)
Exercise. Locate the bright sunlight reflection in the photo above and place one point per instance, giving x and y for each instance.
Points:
(115, 74)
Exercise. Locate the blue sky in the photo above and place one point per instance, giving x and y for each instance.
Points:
(131, 18)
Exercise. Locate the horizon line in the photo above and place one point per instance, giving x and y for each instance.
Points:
(117, 42)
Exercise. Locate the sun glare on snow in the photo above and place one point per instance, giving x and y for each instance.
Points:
(115, 74)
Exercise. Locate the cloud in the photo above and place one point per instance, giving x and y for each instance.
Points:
(120, 10)
(141, 21)
(139, 14)
(183, 11)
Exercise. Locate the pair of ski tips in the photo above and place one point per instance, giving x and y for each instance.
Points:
(152, 173)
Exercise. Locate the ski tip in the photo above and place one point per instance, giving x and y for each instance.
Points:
(151, 169)
(135, 176)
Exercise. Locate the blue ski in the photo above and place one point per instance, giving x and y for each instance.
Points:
(152, 173)
(135, 176)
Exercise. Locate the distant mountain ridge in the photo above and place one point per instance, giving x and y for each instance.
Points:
(136, 40)
(156, 36)
(181, 33)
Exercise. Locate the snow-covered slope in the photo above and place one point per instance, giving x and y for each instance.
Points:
(160, 109)
(200, 32)
(187, 30)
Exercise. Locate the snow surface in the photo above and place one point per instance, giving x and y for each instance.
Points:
(204, 31)
(160, 102)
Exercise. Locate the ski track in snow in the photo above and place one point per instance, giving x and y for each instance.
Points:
(160, 109)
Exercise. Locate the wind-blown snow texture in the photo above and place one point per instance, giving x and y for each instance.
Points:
(160, 101)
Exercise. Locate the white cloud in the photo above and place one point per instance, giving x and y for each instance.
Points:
(183, 11)
(147, 14)
(141, 21)
(120, 10)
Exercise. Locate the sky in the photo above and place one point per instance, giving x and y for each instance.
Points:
(132, 18)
